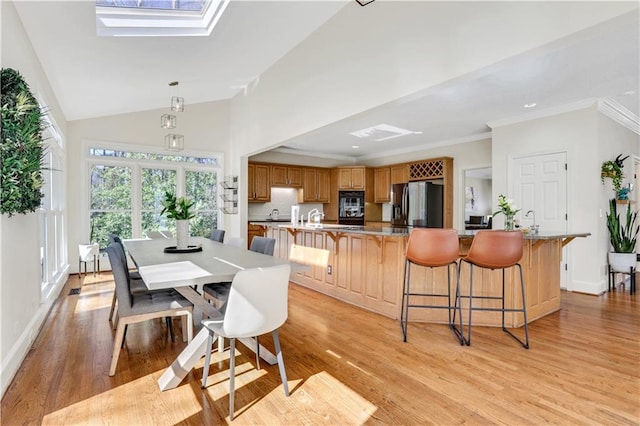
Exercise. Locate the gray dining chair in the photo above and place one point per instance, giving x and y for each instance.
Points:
(137, 285)
(138, 307)
(258, 304)
(217, 235)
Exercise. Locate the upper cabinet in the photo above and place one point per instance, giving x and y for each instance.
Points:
(399, 173)
(315, 185)
(351, 178)
(282, 175)
(382, 179)
(259, 190)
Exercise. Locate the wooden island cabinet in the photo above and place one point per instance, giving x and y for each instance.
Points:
(366, 268)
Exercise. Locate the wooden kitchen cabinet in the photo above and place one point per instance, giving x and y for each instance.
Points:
(324, 185)
(289, 176)
(382, 185)
(399, 173)
(351, 178)
(315, 185)
(255, 231)
(259, 190)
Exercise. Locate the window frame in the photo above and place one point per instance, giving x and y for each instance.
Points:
(52, 211)
(136, 166)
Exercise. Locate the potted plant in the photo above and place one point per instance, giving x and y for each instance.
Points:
(622, 238)
(179, 209)
(507, 207)
(612, 169)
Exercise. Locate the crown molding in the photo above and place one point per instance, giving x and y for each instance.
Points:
(547, 112)
(619, 114)
(285, 150)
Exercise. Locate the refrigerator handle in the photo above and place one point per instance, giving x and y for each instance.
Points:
(405, 204)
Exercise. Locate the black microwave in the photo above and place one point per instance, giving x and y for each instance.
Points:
(351, 207)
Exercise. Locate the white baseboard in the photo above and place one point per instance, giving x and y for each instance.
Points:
(589, 287)
(10, 365)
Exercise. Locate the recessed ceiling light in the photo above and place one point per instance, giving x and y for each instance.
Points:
(355, 146)
(531, 105)
(630, 92)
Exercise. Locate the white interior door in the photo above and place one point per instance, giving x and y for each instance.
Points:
(540, 185)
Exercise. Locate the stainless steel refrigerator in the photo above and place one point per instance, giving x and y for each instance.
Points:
(418, 204)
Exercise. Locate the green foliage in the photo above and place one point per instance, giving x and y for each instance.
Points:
(611, 169)
(622, 237)
(177, 208)
(21, 153)
(506, 207)
(112, 209)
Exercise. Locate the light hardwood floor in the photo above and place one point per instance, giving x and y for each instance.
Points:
(345, 366)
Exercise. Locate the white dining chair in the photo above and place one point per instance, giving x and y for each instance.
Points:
(88, 253)
(257, 304)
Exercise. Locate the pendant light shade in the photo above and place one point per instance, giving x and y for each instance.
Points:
(168, 121)
(177, 103)
(174, 142)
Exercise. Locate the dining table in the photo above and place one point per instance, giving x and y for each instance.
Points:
(205, 262)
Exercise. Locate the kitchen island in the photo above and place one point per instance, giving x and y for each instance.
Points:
(366, 268)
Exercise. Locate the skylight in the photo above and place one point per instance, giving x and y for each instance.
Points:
(158, 17)
(193, 5)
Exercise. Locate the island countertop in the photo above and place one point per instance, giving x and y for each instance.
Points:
(397, 231)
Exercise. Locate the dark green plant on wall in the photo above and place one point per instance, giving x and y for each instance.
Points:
(21, 152)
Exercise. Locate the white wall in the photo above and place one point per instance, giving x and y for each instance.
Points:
(589, 138)
(205, 127)
(21, 310)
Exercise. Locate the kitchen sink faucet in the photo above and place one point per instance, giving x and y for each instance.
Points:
(313, 215)
(534, 227)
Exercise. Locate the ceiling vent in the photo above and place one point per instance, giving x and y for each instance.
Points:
(382, 132)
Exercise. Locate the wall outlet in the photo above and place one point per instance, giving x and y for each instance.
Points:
(329, 269)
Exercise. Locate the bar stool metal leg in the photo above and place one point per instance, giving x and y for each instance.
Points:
(404, 313)
(525, 343)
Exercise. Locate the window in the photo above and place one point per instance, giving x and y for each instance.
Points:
(127, 187)
(52, 213)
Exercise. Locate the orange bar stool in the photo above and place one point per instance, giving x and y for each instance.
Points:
(432, 248)
(493, 250)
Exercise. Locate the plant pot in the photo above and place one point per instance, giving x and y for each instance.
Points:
(622, 262)
(182, 233)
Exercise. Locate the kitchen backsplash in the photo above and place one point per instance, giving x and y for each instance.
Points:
(281, 199)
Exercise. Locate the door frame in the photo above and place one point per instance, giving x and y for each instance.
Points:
(462, 192)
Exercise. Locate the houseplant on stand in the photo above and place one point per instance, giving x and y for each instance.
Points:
(622, 238)
(179, 210)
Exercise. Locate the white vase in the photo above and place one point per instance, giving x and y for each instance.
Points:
(182, 233)
(622, 262)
